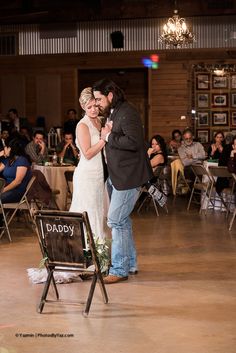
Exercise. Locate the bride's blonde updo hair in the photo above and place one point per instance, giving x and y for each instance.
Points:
(85, 96)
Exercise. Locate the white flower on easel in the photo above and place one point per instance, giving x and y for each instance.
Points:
(102, 247)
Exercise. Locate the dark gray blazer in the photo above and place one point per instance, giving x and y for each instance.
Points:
(127, 159)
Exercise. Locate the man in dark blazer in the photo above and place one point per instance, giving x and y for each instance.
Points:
(128, 167)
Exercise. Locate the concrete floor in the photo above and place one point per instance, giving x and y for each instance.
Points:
(183, 300)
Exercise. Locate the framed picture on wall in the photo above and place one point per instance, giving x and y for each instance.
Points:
(219, 118)
(219, 81)
(203, 81)
(233, 99)
(203, 119)
(202, 100)
(233, 118)
(220, 100)
(233, 81)
(203, 136)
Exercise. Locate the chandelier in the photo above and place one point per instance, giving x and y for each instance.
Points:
(176, 33)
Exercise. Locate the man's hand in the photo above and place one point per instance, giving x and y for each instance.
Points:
(42, 146)
(106, 130)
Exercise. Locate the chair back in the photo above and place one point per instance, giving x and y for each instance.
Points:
(64, 237)
(199, 170)
(158, 171)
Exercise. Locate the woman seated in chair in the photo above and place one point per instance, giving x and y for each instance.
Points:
(217, 149)
(175, 142)
(157, 152)
(16, 170)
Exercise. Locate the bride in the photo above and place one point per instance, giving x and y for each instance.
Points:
(88, 179)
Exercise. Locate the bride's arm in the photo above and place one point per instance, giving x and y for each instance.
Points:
(84, 138)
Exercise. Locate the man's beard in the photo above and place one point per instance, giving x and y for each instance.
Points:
(104, 114)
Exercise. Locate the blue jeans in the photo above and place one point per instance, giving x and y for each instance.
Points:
(123, 252)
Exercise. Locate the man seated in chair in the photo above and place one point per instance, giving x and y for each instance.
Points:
(37, 149)
(190, 152)
(67, 151)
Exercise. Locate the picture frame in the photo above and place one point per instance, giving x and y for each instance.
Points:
(203, 136)
(203, 81)
(220, 100)
(219, 118)
(203, 118)
(202, 100)
(233, 81)
(233, 99)
(219, 81)
(233, 118)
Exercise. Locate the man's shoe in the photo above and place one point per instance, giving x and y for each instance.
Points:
(110, 279)
(133, 272)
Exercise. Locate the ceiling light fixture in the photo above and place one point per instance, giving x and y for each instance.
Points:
(175, 32)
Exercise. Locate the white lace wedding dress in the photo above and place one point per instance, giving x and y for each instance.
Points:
(88, 184)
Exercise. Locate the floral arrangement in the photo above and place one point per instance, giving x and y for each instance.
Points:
(103, 253)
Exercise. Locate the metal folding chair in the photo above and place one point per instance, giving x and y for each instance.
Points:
(146, 198)
(23, 204)
(201, 186)
(226, 196)
(63, 238)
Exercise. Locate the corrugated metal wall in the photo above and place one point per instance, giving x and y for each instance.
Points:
(210, 32)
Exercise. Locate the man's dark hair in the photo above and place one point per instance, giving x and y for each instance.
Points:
(13, 110)
(176, 131)
(105, 86)
(40, 132)
(71, 110)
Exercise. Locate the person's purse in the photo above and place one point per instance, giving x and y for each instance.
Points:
(158, 195)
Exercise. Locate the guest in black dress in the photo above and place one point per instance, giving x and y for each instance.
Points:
(216, 149)
(157, 152)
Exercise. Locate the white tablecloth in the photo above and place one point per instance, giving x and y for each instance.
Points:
(56, 179)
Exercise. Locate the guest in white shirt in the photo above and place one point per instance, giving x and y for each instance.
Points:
(190, 152)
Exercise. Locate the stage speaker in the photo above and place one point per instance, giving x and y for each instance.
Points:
(117, 39)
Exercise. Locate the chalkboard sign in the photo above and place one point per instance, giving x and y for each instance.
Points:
(62, 237)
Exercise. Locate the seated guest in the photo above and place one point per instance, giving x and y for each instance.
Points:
(215, 151)
(4, 140)
(16, 170)
(67, 151)
(157, 152)
(190, 152)
(176, 141)
(25, 135)
(14, 121)
(37, 149)
(71, 122)
(232, 158)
